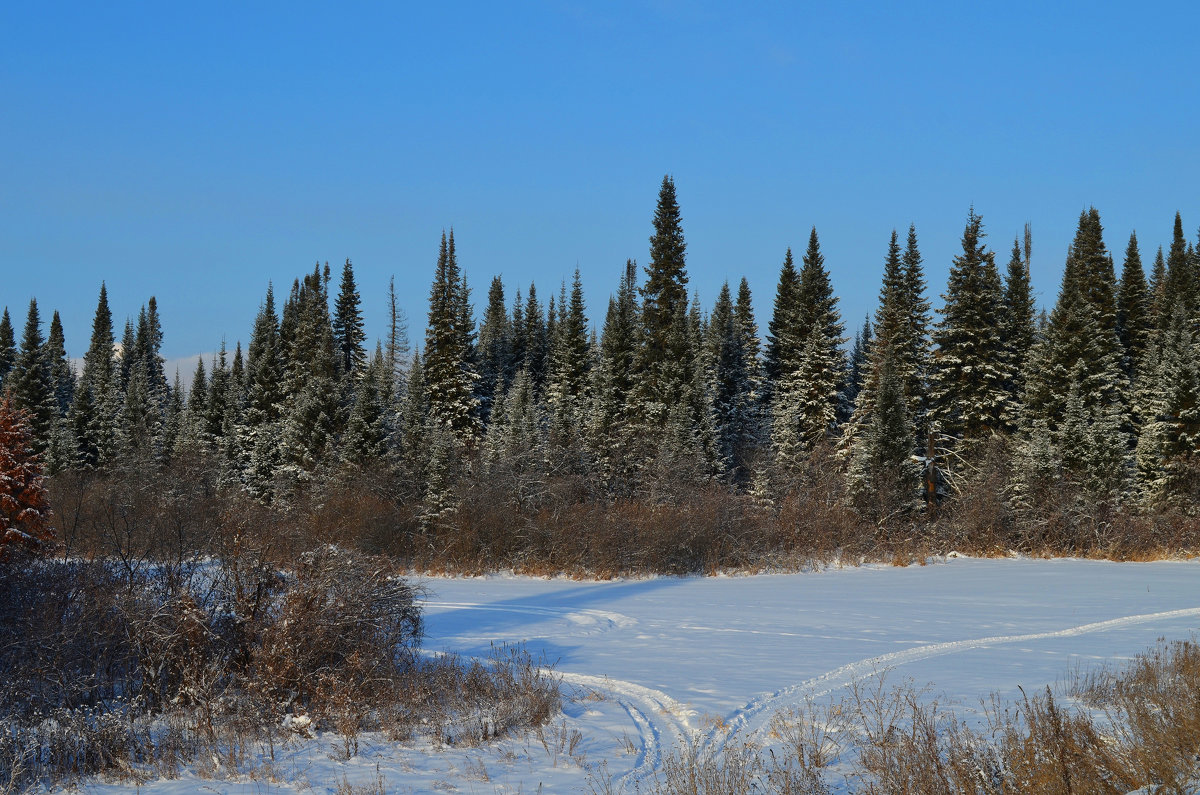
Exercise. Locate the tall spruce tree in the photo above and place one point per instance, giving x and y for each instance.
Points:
(535, 340)
(412, 438)
(1082, 331)
(859, 363)
(914, 352)
(29, 383)
(968, 383)
(808, 400)
(8, 346)
(96, 405)
(665, 359)
(449, 376)
(368, 428)
(1078, 388)
(260, 428)
(397, 350)
(495, 350)
(882, 475)
(347, 327)
(1170, 407)
(1159, 313)
(732, 395)
(60, 453)
(784, 333)
(567, 390)
(889, 339)
(311, 410)
(1180, 285)
(613, 440)
(889, 334)
(1133, 309)
(1017, 324)
(192, 439)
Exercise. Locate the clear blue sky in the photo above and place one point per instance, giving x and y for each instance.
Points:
(195, 152)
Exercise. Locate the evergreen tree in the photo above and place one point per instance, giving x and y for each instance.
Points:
(784, 333)
(126, 352)
(892, 339)
(8, 347)
(1133, 309)
(173, 423)
(967, 391)
(60, 453)
(449, 377)
(235, 409)
(193, 438)
(397, 340)
(1159, 314)
(751, 437)
(613, 440)
(259, 431)
(1017, 325)
(516, 442)
(569, 381)
(807, 401)
(348, 334)
(1180, 285)
(859, 363)
(368, 428)
(883, 476)
(913, 353)
(29, 383)
(732, 389)
(1082, 331)
(412, 429)
(149, 343)
(1171, 429)
(535, 340)
(140, 427)
(665, 359)
(96, 405)
(890, 336)
(215, 420)
(495, 350)
(312, 409)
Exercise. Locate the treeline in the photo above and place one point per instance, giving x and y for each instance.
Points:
(531, 438)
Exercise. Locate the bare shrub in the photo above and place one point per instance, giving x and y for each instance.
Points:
(345, 627)
(466, 703)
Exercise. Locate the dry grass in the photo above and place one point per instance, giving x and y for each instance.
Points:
(1135, 727)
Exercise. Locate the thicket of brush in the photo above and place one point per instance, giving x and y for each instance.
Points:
(136, 665)
(1111, 731)
(559, 525)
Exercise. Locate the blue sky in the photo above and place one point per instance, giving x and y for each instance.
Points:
(197, 152)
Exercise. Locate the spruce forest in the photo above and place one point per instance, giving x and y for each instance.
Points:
(650, 435)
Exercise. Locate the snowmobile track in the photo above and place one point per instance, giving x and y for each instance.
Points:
(752, 721)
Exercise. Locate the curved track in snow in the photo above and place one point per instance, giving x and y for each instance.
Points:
(752, 721)
(662, 723)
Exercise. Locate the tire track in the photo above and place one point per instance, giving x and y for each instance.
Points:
(662, 722)
(754, 718)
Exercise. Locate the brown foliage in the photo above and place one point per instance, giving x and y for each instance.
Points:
(24, 506)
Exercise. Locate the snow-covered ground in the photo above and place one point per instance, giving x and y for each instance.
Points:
(654, 662)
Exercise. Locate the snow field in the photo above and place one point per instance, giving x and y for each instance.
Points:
(651, 664)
